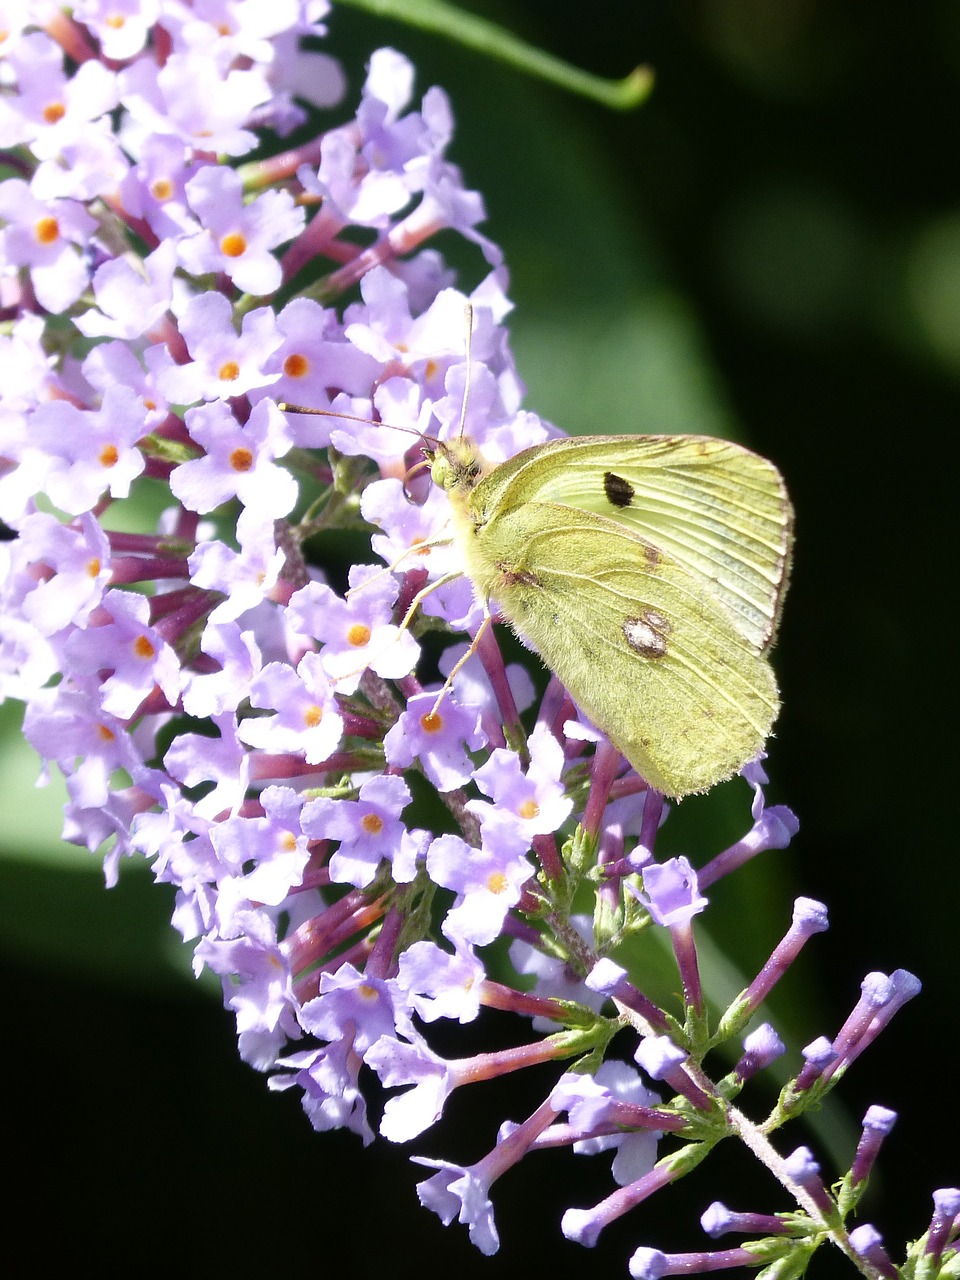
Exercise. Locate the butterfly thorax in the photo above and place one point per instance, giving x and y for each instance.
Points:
(458, 468)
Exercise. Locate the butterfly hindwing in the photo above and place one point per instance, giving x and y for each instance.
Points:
(643, 646)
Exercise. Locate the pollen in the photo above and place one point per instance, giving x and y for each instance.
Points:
(497, 882)
(241, 459)
(430, 370)
(312, 716)
(115, 21)
(529, 809)
(161, 189)
(296, 365)
(367, 991)
(233, 244)
(358, 635)
(418, 547)
(109, 455)
(93, 567)
(288, 842)
(372, 823)
(46, 230)
(105, 734)
(229, 371)
(53, 112)
(143, 648)
(431, 722)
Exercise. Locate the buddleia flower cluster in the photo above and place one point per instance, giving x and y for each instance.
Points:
(264, 724)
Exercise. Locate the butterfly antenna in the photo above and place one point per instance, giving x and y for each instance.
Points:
(468, 316)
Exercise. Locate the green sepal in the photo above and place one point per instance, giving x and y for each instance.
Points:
(173, 451)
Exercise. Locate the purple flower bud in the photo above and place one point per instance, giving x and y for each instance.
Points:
(869, 1244)
(946, 1208)
(658, 1056)
(718, 1220)
(609, 979)
(804, 1170)
(648, 1264)
(809, 917)
(877, 1123)
(761, 1047)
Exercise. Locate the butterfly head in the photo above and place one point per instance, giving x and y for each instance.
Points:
(457, 466)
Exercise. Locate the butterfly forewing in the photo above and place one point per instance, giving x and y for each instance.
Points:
(713, 507)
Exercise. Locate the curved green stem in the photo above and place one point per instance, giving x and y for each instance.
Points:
(486, 37)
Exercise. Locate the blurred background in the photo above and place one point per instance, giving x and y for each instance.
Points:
(769, 249)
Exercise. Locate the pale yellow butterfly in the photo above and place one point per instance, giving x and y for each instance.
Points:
(648, 572)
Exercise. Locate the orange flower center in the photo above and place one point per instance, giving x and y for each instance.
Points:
(46, 230)
(431, 722)
(241, 459)
(233, 244)
(143, 648)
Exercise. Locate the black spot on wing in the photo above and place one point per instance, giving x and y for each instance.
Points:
(620, 492)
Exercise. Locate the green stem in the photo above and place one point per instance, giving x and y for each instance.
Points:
(756, 1141)
(486, 37)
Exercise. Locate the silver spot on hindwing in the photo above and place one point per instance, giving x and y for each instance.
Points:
(647, 635)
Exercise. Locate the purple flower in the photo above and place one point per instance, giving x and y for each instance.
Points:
(239, 461)
(192, 97)
(437, 737)
(307, 717)
(461, 1192)
(357, 633)
(328, 1079)
(441, 984)
(51, 109)
(127, 304)
(525, 804)
(90, 451)
(78, 571)
(245, 577)
(369, 828)
(237, 238)
(132, 650)
(672, 894)
(45, 236)
(487, 882)
(397, 1062)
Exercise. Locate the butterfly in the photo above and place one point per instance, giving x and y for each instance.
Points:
(648, 572)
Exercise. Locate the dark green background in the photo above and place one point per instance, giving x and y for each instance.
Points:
(770, 248)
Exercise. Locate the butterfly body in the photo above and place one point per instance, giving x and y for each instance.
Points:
(648, 573)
